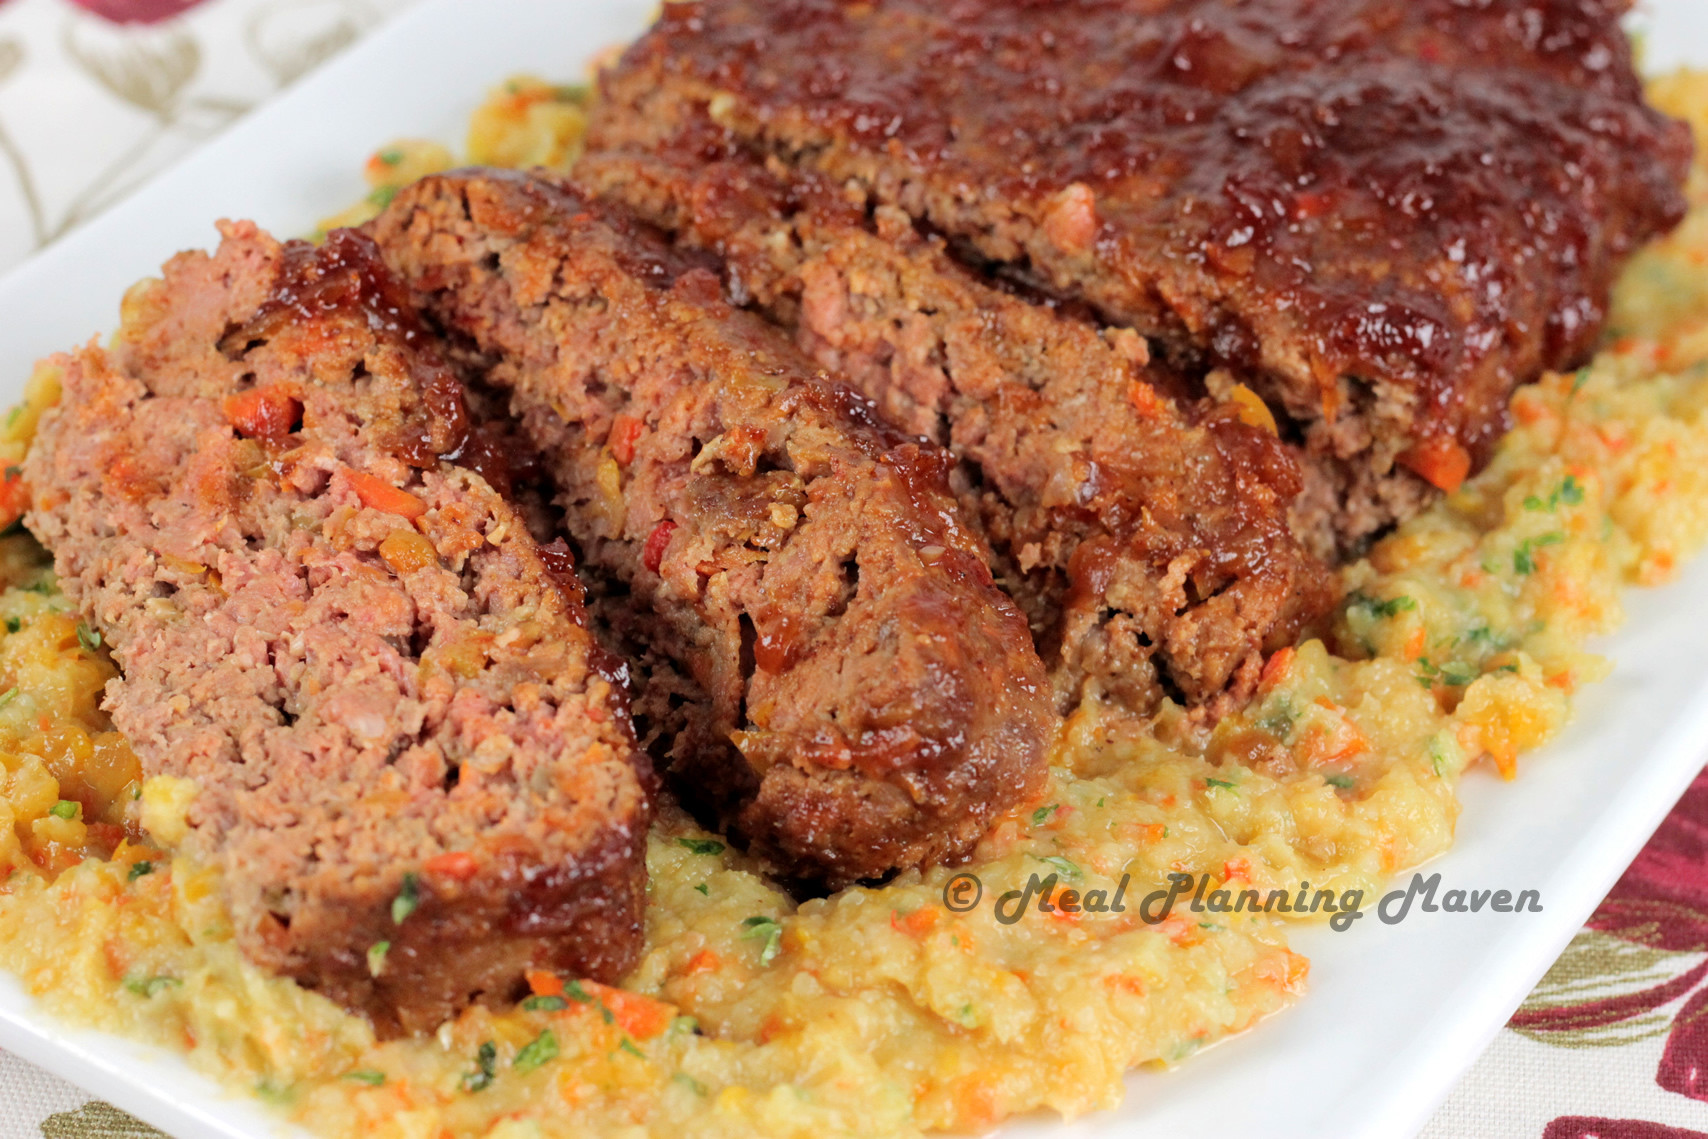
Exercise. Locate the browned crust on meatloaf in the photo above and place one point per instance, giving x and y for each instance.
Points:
(1140, 542)
(1387, 215)
(371, 707)
(827, 660)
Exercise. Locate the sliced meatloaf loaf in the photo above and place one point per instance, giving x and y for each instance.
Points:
(1386, 215)
(823, 657)
(415, 768)
(1148, 539)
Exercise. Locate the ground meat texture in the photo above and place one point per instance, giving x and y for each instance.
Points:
(415, 766)
(1148, 541)
(1386, 215)
(822, 657)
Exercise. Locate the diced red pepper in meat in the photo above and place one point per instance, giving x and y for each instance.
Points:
(652, 554)
(626, 431)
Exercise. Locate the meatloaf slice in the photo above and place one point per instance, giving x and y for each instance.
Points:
(1148, 540)
(416, 771)
(826, 661)
(1386, 215)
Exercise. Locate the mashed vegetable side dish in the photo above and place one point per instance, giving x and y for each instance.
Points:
(879, 1011)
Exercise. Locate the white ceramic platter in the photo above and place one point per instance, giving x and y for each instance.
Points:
(1395, 1013)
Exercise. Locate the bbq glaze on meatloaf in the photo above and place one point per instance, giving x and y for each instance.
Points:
(1147, 539)
(1386, 215)
(822, 657)
(415, 768)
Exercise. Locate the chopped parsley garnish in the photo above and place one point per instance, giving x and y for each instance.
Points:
(701, 845)
(382, 196)
(536, 1052)
(704, 889)
(89, 638)
(376, 957)
(629, 1046)
(486, 1067)
(64, 809)
(689, 1082)
(1437, 756)
(1570, 492)
(686, 1024)
(550, 1003)
(391, 156)
(1344, 782)
(1226, 784)
(1278, 721)
(366, 1076)
(1393, 607)
(149, 986)
(139, 868)
(1453, 674)
(1062, 866)
(1043, 813)
(408, 898)
(582, 996)
(1524, 558)
(1579, 380)
(767, 929)
(13, 624)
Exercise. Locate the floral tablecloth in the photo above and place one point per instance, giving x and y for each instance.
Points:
(97, 94)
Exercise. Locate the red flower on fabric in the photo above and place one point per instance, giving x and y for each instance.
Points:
(135, 11)
(1583, 1127)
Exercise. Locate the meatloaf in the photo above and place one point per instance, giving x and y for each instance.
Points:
(1147, 538)
(1384, 215)
(414, 766)
(823, 660)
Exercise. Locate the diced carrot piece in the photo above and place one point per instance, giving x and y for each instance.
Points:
(14, 496)
(1528, 410)
(1440, 461)
(1127, 982)
(457, 864)
(704, 961)
(381, 495)
(640, 1017)
(544, 984)
(1275, 669)
(626, 431)
(916, 924)
(264, 413)
(1143, 398)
